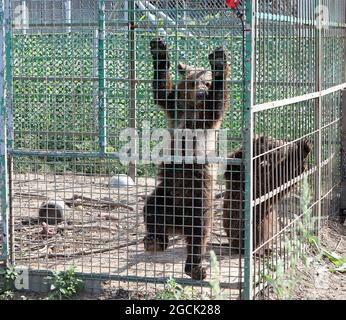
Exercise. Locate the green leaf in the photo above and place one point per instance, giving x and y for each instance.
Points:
(341, 269)
(334, 258)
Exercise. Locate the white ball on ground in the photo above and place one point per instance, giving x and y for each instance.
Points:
(121, 181)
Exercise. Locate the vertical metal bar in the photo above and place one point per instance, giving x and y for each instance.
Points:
(68, 15)
(126, 11)
(8, 73)
(132, 77)
(343, 136)
(343, 154)
(319, 113)
(102, 77)
(3, 141)
(8, 106)
(95, 83)
(249, 78)
(25, 17)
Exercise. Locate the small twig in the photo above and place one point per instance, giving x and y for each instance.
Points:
(30, 195)
(82, 252)
(42, 251)
(82, 226)
(338, 243)
(108, 216)
(25, 181)
(39, 246)
(29, 220)
(86, 201)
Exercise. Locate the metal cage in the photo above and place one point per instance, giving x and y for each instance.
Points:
(90, 91)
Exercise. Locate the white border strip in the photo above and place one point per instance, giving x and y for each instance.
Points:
(305, 97)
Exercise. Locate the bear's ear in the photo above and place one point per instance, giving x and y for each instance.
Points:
(184, 69)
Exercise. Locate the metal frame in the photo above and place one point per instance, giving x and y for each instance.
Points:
(343, 155)
(6, 138)
(102, 78)
(251, 108)
(132, 172)
(3, 141)
(249, 91)
(316, 98)
(319, 115)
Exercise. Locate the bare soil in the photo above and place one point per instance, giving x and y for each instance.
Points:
(100, 237)
(313, 283)
(105, 235)
(317, 282)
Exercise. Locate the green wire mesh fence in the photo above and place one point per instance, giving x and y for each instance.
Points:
(81, 77)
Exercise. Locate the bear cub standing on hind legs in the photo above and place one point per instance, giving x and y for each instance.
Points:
(181, 202)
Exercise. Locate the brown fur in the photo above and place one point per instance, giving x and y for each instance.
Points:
(181, 202)
(271, 171)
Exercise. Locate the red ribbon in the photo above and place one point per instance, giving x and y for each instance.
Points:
(233, 4)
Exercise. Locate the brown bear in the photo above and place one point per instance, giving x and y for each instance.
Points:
(181, 201)
(275, 163)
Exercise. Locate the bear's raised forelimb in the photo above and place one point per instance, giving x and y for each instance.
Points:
(218, 96)
(162, 82)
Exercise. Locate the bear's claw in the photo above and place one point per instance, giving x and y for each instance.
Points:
(196, 272)
(153, 244)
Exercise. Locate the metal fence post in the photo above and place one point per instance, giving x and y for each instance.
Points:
(9, 111)
(319, 116)
(343, 143)
(3, 142)
(102, 77)
(343, 155)
(95, 82)
(132, 77)
(25, 16)
(250, 32)
(68, 15)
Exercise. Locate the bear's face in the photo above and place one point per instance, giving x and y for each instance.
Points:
(194, 86)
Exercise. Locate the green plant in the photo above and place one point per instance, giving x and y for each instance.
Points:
(174, 291)
(8, 275)
(282, 281)
(306, 224)
(7, 295)
(338, 261)
(279, 277)
(65, 284)
(215, 278)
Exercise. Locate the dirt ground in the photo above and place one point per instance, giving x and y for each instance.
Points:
(98, 237)
(317, 282)
(102, 233)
